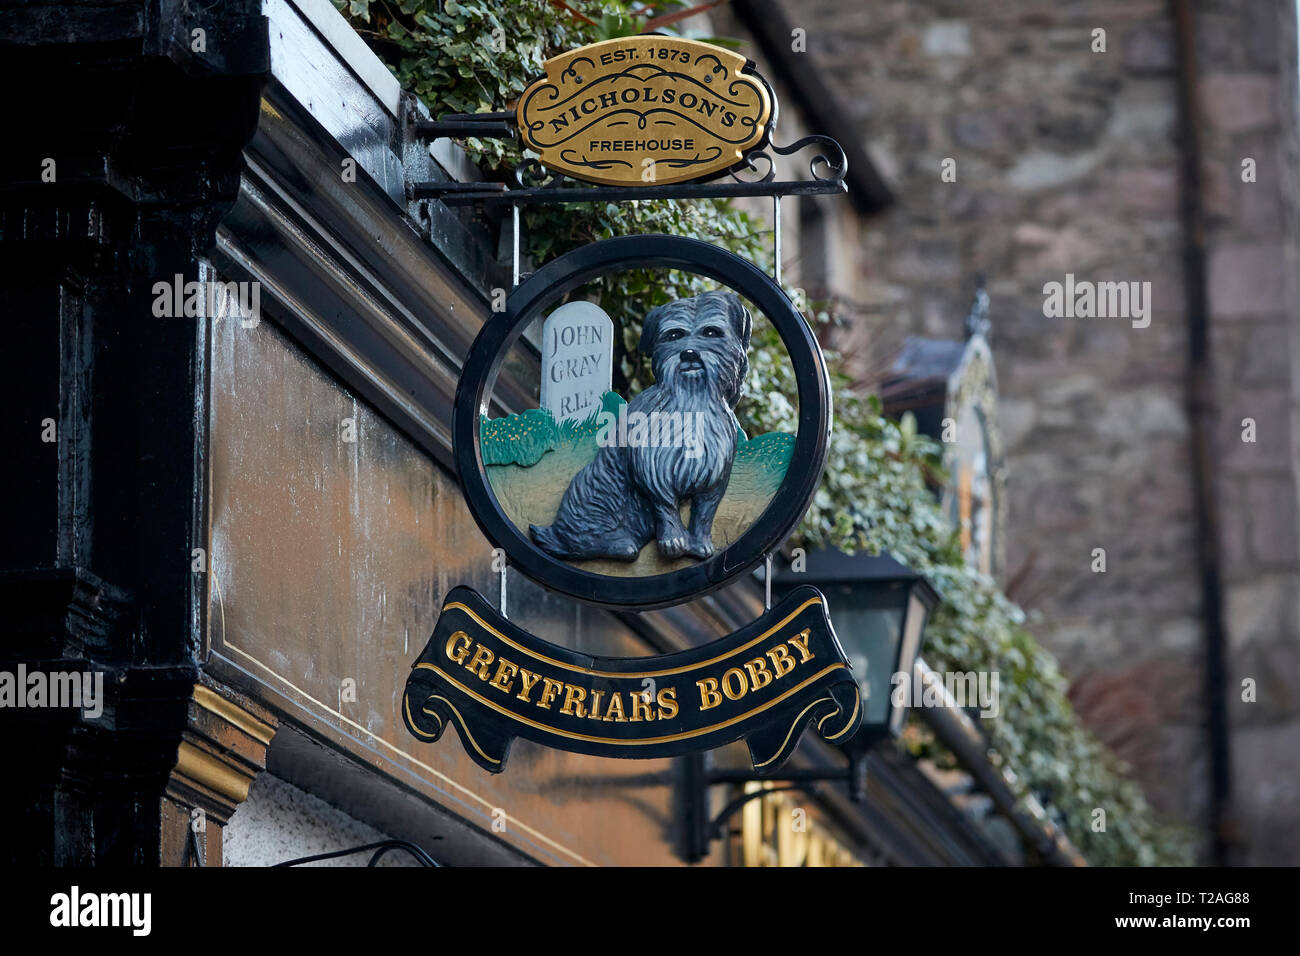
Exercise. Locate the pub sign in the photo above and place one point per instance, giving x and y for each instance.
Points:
(646, 500)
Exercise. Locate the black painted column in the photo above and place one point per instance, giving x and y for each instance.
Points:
(126, 122)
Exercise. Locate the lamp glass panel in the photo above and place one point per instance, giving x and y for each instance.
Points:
(916, 615)
(868, 620)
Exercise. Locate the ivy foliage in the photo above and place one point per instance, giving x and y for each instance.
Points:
(469, 56)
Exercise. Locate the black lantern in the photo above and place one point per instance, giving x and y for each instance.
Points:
(879, 609)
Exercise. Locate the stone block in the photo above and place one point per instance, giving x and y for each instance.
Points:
(1246, 279)
(1238, 102)
(977, 131)
(1144, 413)
(1274, 669)
(1149, 48)
(1270, 411)
(1150, 190)
(1144, 117)
(1070, 126)
(947, 38)
(1183, 634)
(1260, 202)
(1266, 791)
(1217, 35)
(1265, 32)
(1266, 358)
(1040, 169)
(1260, 609)
(1271, 504)
(1055, 251)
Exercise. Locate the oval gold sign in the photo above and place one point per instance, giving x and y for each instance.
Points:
(645, 110)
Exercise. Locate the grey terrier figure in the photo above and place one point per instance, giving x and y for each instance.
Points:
(629, 494)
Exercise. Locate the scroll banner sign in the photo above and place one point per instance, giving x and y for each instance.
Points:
(765, 683)
(645, 110)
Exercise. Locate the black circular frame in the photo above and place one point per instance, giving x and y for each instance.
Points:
(565, 274)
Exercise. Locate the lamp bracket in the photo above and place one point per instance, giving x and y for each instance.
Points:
(702, 831)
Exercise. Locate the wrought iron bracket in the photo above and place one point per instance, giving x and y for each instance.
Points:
(381, 849)
(466, 194)
(536, 185)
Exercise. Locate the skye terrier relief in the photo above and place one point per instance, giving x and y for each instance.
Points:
(634, 490)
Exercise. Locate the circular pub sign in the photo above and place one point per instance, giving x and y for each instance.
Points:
(652, 499)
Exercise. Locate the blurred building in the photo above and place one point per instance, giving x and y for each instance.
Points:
(1143, 142)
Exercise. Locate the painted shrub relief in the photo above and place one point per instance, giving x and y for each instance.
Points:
(531, 459)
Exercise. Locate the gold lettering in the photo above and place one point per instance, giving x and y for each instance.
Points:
(759, 675)
(782, 661)
(800, 642)
(550, 690)
(573, 697)
(505, 670)
(640, 702)
(529, 682)
(596, 697)
(458, 655)
(615, 704)
(709, 696)
(667, 701)
(478, 664)
(726, 683)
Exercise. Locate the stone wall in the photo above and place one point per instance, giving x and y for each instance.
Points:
(279, 822)
(1067, 161)
(1249, 109)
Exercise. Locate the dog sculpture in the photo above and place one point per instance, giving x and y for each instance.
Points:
(631, 493)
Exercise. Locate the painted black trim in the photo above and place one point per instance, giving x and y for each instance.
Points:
(543, 289)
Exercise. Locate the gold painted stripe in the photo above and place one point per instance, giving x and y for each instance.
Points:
(646, 741)
(406, 702)
(434, 773)
(789, 732)
(857, 702)
(456, 605)
(205, 769)
(232, 713)
(463, 724)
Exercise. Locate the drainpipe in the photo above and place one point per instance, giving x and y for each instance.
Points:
(1202, 414)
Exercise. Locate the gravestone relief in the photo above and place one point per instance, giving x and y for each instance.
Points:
(577, 360)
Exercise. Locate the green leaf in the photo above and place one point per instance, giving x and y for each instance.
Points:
(907, 426)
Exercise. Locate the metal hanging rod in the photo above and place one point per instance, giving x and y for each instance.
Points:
(464, 125)
(548, 187)
(465, 194)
